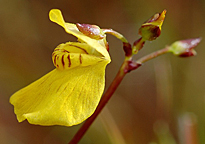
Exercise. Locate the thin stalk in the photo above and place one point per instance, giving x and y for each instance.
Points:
(153, 55)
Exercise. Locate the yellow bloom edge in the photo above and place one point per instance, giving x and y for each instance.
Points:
(68, 96)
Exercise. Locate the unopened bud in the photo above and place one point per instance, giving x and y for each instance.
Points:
(185, 48)
(127, 49)
(91, 31)
(138, 45)
(151, 29)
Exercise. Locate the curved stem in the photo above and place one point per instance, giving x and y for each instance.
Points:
(116, 34)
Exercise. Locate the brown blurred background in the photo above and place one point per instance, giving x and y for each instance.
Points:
(163, 102)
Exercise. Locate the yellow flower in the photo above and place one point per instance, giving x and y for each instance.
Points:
(70, 93)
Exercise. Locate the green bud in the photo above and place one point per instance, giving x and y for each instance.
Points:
(138, 45)
(185, 48)
(151, 29)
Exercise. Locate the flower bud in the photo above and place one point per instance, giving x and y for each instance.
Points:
(185, 48)
(138, 45)
(127, 49)
(91, 31)
(151, 29)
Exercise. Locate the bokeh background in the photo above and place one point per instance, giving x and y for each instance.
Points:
(163, 102)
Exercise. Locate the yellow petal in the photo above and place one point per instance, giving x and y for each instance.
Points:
(65, 97)
(157, 19)
(72, 54)
(55, 15)
(161, 18)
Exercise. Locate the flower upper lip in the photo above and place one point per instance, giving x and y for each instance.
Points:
(55, 15)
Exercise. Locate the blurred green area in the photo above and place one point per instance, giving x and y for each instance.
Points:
(163, 102)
